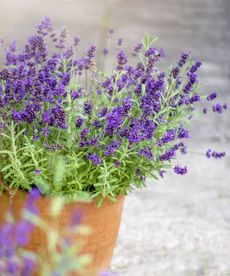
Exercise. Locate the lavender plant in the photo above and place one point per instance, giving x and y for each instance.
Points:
(103, 132)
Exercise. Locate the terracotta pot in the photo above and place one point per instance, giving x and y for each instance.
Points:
(104, 222)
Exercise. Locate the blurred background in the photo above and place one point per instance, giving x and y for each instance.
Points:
(178, 225)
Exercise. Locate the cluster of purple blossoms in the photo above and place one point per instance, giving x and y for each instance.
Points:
(217, 155)
(219, 108)
(79, 122)
(121, 60)
(183, 133)
(169, 136)
(192, 79)
(171, 153)
(91, 51)
(112, 148)
(180, 170)
(76, 94)
(88, 107)
(154, 56)
(76, 40)
(176, 69)
(119, 42)
(146, 152)
(105, 51)
(212, 96)
(96, 159)
(137, 49)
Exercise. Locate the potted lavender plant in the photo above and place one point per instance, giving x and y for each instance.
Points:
(71, 129)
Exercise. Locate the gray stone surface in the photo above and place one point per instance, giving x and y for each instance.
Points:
(179, 226)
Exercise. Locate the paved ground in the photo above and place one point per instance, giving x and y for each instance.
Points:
(179, 226)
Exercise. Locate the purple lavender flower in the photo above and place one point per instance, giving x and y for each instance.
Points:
(171, 153)
(22, 232)
(44, 27)
(119, 42)
(2, 124)
(95, 159)
(97, 124)
(61, 39)
(140, 175)
(45, 131)
(183, 59)
(195, 67)
(37, 172)
(183, 133)
(47, 118)
(205, 110)
(134, 136)
(114, 119)
(76, 218)
(112, 148)
(212, 96)
(169, 136)
(183, 150)
(127, 105)
(180, 170)
(12, 267)
(217, 155)
(146, 152)
(121, 60)
(117, 163)
(111, 31)
(76, 41)
(33, 196)
(6, 235)
(88, 107)
(175, 72)
(84, 133)
(105, 51)
(217, 108)
(16, 116)
(192, 80)
(91, 51)
(122, 82)
(108, 85)
(137, 49)
(194, 98)
(28, 266)
(93, 141)
(59, 116)
(153, 56)
(161, 173)
(75, 95)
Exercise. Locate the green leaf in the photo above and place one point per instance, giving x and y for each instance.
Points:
(43, 185)
(59, 168)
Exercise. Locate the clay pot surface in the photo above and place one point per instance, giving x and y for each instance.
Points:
(104, 223)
